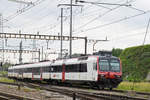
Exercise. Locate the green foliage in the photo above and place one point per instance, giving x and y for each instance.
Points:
(136, 63)
(138, 86)
(3, 73)
(4, 79)
(5, 66)
(116, 52)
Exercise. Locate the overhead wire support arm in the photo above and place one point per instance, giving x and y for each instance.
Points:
(17, 51)
(95, 42)
(23, 2)
(39, 37)
(81, 1)
(92, 40)
(68, 5)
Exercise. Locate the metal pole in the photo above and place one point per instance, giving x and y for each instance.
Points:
(146, 31)
(42, 52)
(85, 45)
(1, 27)
(20, 51)
(70, 28)
(20, 56)
(94, 46)
(39, 55)
(61, 44)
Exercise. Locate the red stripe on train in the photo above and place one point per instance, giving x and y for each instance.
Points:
(63, 72)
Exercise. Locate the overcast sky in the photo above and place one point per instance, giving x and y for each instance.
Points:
(123, 26)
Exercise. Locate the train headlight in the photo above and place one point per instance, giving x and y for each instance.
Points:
(102, 75)
(117, 76)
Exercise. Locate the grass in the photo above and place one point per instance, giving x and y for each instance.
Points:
(37, 88)
(138, 86)
(3, 73)
(4, 79)
(27, 90)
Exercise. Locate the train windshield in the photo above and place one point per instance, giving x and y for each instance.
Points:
(109, 65)
(115, 65)
(104, 65)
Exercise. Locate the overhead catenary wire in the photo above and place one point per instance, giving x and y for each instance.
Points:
(29, 22)
(113, 22)
(136, 9)
(113, 4)
(46, 27)
(129, 35)
(146, 31)
(110, 10)
(24, 9)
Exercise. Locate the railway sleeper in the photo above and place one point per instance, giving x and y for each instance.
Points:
(4, 98)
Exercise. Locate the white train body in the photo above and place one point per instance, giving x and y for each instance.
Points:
(74, 69)
(97, 71)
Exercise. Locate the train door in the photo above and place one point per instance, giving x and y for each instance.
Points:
(63, 72)
(49, 71)
(32, 73)
(90, 72)
(41, 72)
(94, 71)
(84, 75)
(20, 73)
(36, 73)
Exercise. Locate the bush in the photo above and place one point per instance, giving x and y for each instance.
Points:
(136, 63)
(3, 73)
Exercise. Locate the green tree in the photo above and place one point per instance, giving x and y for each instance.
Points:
(135, 63)
(116, 52)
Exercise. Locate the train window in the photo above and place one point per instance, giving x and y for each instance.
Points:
(115, 65)
(29, 70)
(17, 70)
(71, 68)
(76, 68)
(104, 65)
(36, 71)
(10, 70)
(52, 69)
(68, 68)
(83, 58)
(83, 68)
(25, 70)
(46, 69)
(56, 69)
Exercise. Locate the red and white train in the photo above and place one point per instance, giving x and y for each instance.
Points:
(96, 71)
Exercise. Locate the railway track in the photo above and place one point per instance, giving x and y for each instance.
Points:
(93, 95)
(10, 96)
(86, 94)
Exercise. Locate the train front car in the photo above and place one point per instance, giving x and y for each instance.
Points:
(109, 72)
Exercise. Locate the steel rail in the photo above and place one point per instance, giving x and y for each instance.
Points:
(10, 96)
(88, 95)
(83, 94)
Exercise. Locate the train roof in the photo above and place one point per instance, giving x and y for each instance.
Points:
(39, 64)
(77, 60)
(55, 62)
(112, 57)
